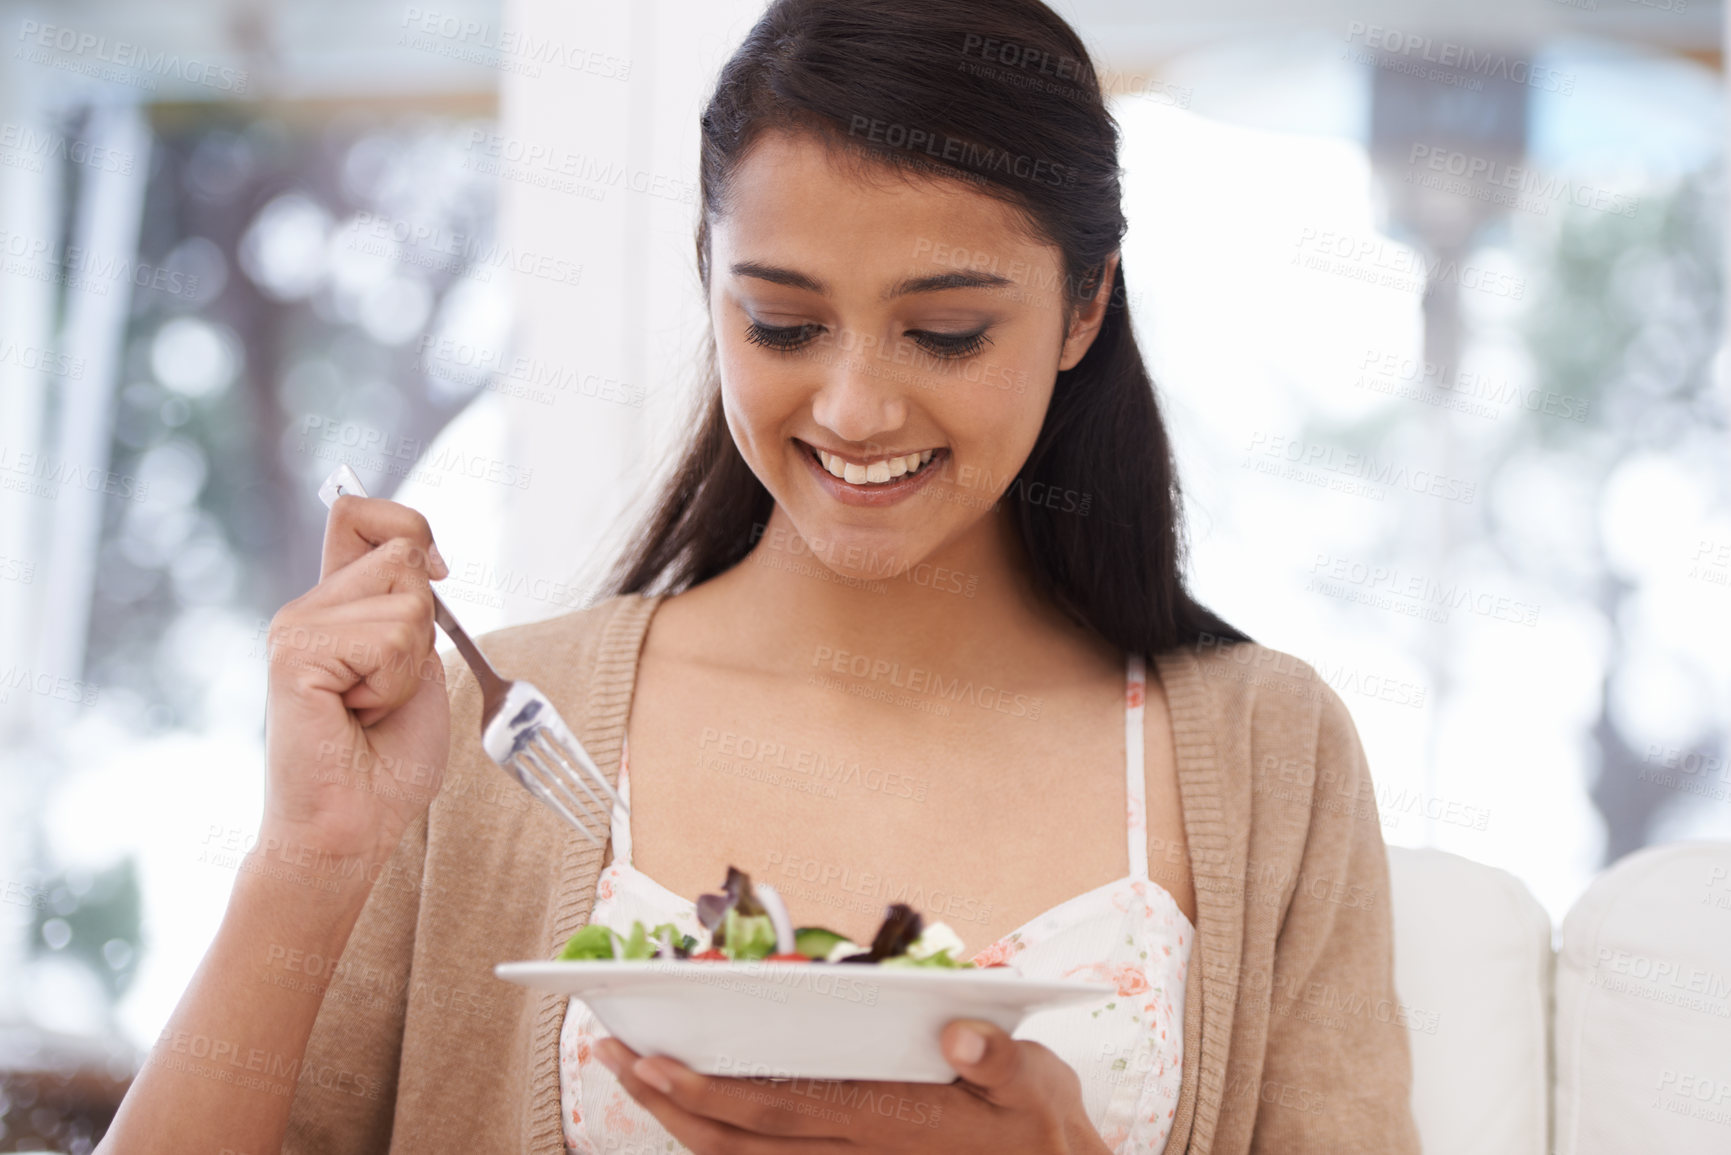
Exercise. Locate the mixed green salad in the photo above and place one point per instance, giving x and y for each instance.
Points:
(748, 923)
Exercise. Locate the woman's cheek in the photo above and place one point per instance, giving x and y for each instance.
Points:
(754, 398)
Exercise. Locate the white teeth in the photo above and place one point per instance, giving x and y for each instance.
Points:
(878, 472)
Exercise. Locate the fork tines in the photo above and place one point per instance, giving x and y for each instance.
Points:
(542, 764)
(528, 738)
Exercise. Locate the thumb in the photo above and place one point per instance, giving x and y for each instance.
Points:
(982, 1053)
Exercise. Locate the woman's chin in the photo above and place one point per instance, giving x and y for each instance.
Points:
(846, 552)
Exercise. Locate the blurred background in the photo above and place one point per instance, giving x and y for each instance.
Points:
(1434, 295)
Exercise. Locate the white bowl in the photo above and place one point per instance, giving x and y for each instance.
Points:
(793, 1019)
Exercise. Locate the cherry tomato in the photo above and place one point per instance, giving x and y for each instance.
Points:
(712, 955)
(791, 956)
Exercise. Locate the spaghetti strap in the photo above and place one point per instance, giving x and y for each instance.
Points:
(1135, 783)
(621, 819)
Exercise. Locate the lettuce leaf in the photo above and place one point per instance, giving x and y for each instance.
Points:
(940, 959)
(592, 941)
(600, 942)
(747, 936)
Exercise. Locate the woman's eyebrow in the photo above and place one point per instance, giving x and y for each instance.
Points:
(936, 282)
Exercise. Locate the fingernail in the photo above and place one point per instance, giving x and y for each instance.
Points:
(970, 1045)
(439, 561)
(652, 1075)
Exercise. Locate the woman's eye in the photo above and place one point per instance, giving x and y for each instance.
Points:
(951, 344)
(786, 338)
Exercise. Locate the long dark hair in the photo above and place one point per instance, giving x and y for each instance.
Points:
(1001, 94)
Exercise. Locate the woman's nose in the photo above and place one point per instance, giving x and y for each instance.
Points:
(858, 398)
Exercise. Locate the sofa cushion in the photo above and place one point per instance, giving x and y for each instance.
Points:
(1472, 967)
(1643, 1010)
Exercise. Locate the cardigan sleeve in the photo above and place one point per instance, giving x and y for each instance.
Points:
(1337, 1070)
(345, 1093)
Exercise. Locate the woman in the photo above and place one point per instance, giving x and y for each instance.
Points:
(889, 632)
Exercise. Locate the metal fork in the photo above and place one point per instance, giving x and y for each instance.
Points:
(520, 729)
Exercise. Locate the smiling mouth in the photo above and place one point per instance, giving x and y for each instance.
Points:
(880, 471)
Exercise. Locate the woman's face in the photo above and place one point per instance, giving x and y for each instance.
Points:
(887, 350)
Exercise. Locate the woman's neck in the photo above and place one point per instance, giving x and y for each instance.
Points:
(970, 604)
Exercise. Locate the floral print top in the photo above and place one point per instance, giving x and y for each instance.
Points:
(1130, 932)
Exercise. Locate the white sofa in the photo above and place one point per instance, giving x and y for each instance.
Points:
(1617, 1041)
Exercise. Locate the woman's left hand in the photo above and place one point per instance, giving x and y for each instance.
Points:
(1012, 1096)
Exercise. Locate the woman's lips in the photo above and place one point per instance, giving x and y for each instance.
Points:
(871, 494)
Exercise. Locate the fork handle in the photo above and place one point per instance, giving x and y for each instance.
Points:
(493, 688)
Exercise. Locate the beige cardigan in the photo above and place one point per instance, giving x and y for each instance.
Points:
(1294, 1041)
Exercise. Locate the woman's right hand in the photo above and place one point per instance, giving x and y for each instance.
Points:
(357, 724)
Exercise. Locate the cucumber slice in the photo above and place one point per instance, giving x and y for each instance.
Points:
(815, 941)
